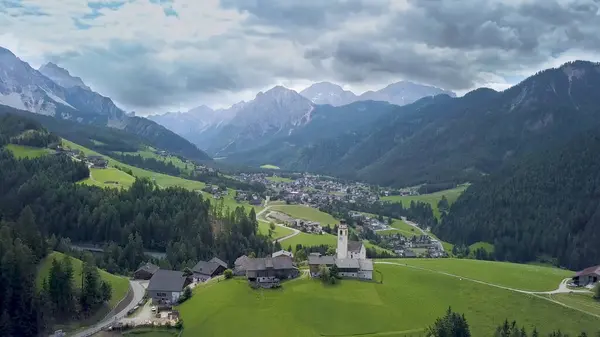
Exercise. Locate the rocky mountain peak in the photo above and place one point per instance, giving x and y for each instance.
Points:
(62, 76)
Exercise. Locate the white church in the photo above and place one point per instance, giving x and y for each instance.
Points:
(351, 258)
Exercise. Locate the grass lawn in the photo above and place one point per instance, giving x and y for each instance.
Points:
(487, 246)
(120, 285)
(306, 213)
(431, 199)
(406, 303)
(149, 153)
(146, 332)
(306, 239)
(162, 180)
(21, 151)
(109, 177)
(269, 167)
(518, 276)
(279, 232)
(277, 179)
(582, 301)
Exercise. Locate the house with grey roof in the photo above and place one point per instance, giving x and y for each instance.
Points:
(270, 269)
(166, 286)
(587, 276)
(145, 272)
(205, 270)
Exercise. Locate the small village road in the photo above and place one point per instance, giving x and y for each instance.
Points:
(295, 231)
(138, 294)
(562, 288)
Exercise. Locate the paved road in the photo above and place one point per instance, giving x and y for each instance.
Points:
(138, 293)
(295, 231)
(562, 287)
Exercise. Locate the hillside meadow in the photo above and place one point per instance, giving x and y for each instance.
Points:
(432, 198)
(306, 213)
(21, 151)
(405, 303)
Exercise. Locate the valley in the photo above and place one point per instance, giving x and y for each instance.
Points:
(322, 210)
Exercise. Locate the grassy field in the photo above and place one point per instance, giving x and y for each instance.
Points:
(310, 240)
(269, 167)
(279, 232)
(306, 213)
(150, 153)
(109, 177)
(120, 285)
(582, 301)
(512, 275)
(431, 199)
(406, 303)
(21, 151)
(277, 179)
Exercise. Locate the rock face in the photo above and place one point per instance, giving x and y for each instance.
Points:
(328, 93)
(54, 92)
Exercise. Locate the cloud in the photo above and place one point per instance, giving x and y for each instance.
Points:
(153, 55)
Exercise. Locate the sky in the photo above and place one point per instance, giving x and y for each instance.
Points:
(153, 56)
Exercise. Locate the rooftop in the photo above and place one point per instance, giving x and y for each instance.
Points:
(277, 263)
(167, 280)
(588, 271)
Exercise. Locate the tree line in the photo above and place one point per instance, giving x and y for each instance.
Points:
(545, 207)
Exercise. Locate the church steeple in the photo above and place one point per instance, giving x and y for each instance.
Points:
(342, 243)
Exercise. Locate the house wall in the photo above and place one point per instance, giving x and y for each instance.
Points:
(162, 296)
(365, 274)
(349, 274)
(175, 296)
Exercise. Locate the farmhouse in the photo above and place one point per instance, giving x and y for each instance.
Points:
(587, 276)
(282, 253)
(351, 259)
(204, 271)
(270, 269)
(145, 272)
(166, 286)
(97, 161)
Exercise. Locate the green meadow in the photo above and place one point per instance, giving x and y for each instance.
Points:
(277, 179)
(405, 303)
(269, 167)
(21, 151)
(306, 213)
(278, 232)
(432, 198)
(109, 177)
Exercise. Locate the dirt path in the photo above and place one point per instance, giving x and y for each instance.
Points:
(562, 288)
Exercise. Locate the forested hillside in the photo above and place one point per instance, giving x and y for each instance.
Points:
(103, 139)
(41, 208)
(444, 139)
(545, 206)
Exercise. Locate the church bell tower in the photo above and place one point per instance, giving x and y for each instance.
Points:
(342, 244)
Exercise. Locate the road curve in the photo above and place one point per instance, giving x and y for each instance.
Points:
(138, 295)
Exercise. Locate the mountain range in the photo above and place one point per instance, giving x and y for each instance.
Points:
(447, 139)
(52, 91)
(277, 113)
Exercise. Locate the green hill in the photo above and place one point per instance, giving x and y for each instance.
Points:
(547, 205)
(120, 285)
(22, 151)
(431, 198)
(406, 303)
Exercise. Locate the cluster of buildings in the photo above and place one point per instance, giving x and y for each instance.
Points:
(167, 286)
(300, 224)
(416, 246)
(369, 222)
(251, 198)
(90, 161)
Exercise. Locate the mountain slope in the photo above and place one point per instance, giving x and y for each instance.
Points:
(275, 113)
(403, 92)
(25, 88)
(440, 139)
(545, 205)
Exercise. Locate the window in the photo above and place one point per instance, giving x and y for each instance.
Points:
(161, 294)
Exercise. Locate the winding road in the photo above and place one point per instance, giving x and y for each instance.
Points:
(562, 287)
(138, 294)
(295, 231)
(424, 232)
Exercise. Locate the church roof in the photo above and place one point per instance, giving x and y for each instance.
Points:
(354, 246)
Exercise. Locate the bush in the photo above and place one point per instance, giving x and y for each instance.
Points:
(597, 291)
(228, 273)
(187, 293)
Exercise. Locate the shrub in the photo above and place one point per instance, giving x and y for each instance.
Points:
(228, 273)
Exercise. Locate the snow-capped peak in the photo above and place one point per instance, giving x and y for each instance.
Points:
(328, 93)
(62, 76)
